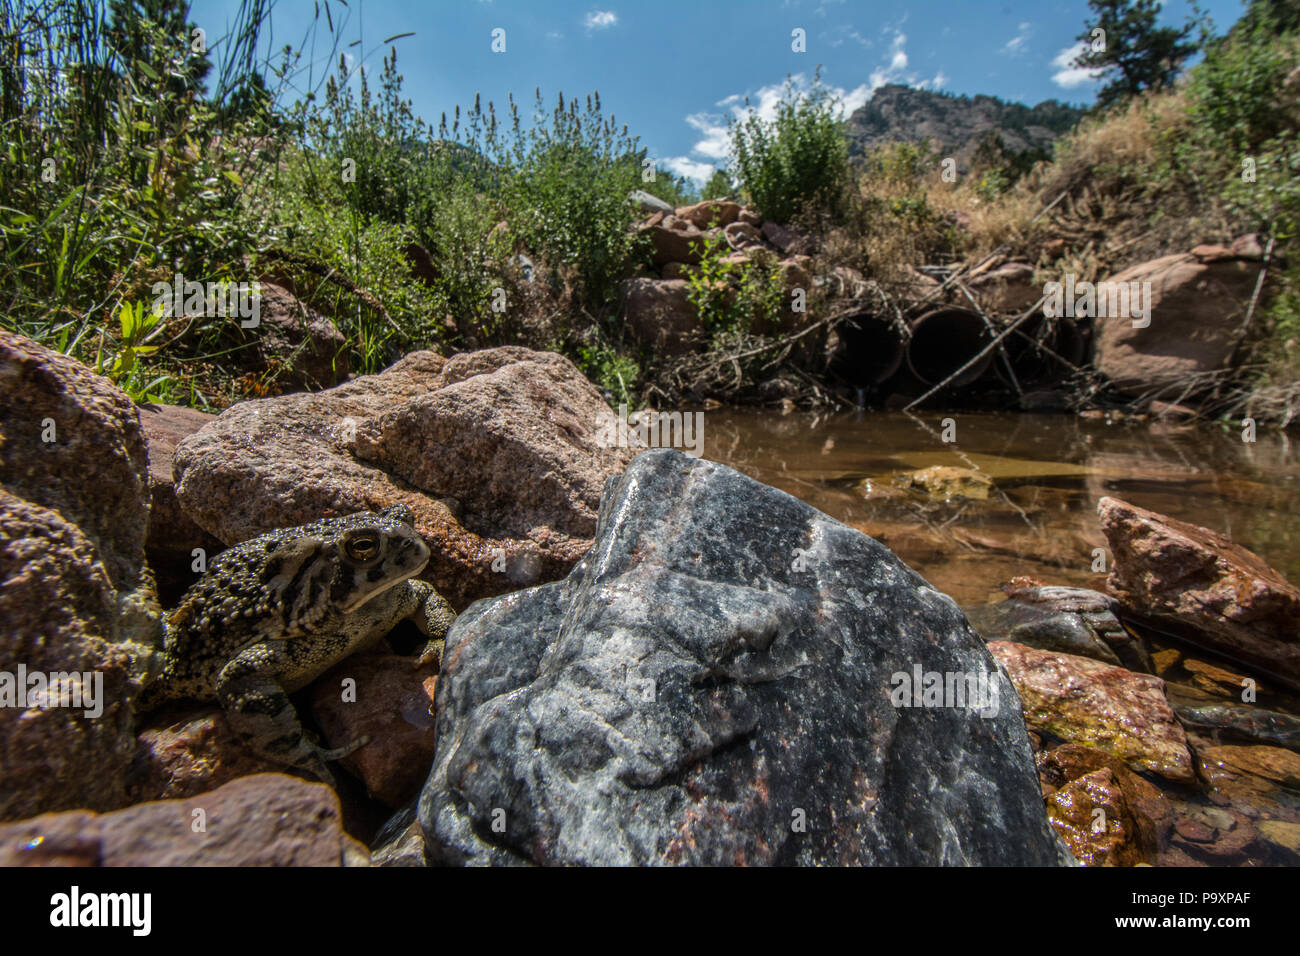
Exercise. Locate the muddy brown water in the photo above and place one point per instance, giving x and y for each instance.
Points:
(1049, 471)
(1040, 520)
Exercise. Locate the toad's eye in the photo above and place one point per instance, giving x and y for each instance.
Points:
(362, 547)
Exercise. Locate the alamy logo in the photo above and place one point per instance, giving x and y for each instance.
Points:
(75, 908)
(38, 689)
(960, 690)
(1102, 300)
(681, 430)
(183, 297)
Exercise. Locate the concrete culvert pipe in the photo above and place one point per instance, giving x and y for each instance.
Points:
(943, 341)
(870, 351)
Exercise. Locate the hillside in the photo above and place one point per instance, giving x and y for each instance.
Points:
(956, 124)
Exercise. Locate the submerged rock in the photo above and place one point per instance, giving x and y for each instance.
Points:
(945, 482)
(1078, 780)
(1094, 819)
(718, 682)
(1252, 724)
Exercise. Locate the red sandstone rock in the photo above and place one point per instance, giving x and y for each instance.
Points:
(1213, 592)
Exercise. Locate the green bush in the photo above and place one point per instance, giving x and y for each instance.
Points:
(616, 374)
(734, 296)
(1235, 92)
(111, 173)
(797, 162)
(566, 193)
(718, 186)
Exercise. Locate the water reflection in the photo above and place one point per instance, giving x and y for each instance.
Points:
(1047, 473)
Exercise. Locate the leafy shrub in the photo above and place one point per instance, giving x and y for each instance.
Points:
(718, 186)
(1235, 96)
(616, 374)
(734, 296)
(797, 161)
(566, 192)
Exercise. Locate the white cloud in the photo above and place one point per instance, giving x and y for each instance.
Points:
(1067, 75)
(684, 166)
(600, 19)
(716, 142)
(897, 64)
(1018, 43)
(936, 83)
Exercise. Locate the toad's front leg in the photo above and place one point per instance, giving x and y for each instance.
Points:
(434, 617)
(260, 713)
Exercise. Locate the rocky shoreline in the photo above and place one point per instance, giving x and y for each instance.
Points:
(658, 659)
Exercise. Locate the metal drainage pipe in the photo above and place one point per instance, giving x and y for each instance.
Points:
(944, 340)
(1034, 355)
(870, 351)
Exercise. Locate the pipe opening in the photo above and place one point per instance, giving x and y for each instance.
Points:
(870, 350)
(943, 341)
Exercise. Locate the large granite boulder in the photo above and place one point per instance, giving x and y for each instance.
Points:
(78, 612)
(710, 212)
(673, 240)
(1204, 587)
(296, 345)
(499, 454)
(723, 680)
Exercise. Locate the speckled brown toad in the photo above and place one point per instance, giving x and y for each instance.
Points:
(272, 614)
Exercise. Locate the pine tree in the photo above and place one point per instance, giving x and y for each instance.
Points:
(1135, 54)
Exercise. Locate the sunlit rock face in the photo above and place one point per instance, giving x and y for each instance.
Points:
(721, 680)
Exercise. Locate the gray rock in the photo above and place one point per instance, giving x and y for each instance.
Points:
(1062, 619)
(698, 692)
(400, 841)
(649, 203)
(1252, 724)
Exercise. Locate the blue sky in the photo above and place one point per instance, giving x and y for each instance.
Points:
(675, 70)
